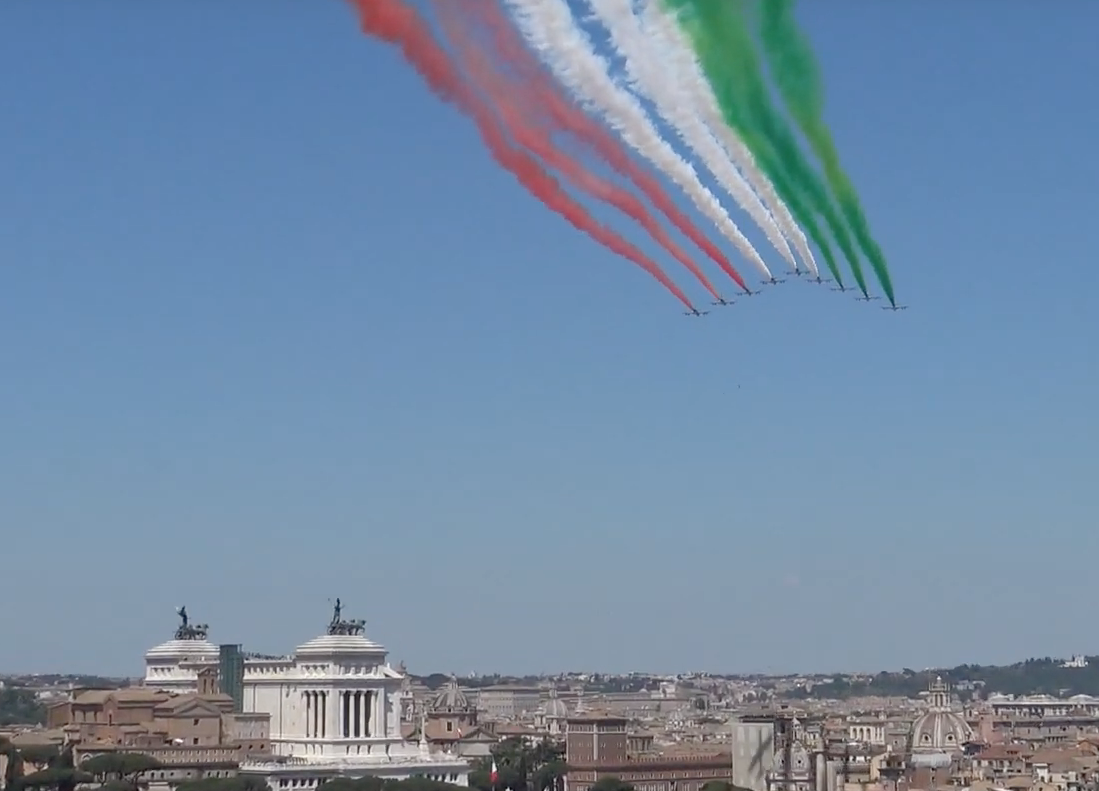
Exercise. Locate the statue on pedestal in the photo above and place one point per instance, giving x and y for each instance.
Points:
(186, 631)
(344, 627)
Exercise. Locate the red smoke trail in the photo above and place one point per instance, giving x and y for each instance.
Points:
(547, 96)
(393, 21)
(527, 122)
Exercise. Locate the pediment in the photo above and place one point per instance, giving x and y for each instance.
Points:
(479, 736)
(191, 707)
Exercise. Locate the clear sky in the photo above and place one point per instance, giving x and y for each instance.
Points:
(275, 329)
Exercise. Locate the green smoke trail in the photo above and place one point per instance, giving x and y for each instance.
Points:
(724, 46)
(798, 79)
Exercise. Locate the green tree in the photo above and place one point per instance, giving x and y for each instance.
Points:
(124, 768)
(522, 766)
(238, 783)
(610, 784)
(118, 785)
(54, 777)
(13, 774)
(353, 784)
(721, 785)
(20, 706)
(39, 754)
(377, 784)
(549, 777)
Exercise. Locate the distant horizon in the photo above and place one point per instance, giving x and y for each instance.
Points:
(550, 674)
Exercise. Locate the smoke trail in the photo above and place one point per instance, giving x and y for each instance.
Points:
(797, 76)
(550, 28)
(396, 23)
(730, 61)
(672, 42)
(542, 98)
(649, 76)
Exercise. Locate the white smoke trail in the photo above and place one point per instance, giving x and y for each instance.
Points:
(675, 47)
(548, 25)
(648, 74)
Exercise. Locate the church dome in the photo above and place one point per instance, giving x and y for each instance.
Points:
(939, 730)
(450, 698)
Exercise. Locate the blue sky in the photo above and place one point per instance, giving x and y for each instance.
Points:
(275, 330)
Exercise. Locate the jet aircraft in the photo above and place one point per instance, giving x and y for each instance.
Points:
(773, 281)
(723, 301)
(866, 298)
(819, 280)
(695, 312)
(895, 308)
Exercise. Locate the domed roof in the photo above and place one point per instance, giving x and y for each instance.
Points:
(340, 645)
(939, 729)
(555, 708)
(450, 698)
(189, 642)
(344, 637)
(183, 649)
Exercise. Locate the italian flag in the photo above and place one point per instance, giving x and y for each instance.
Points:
(493, 775)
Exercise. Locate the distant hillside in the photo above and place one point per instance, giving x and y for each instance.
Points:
(1032, 677)
(436, 680)
(20, 706)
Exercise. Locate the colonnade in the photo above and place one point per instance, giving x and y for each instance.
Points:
(316, 714)
(359, 714)
(356, 713)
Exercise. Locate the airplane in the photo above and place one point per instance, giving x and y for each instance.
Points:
(773, 281)
(866, 298)
(723, 301)
(839, 288)
(819, 280)
(895, 308)
(799, 272)
(749, 293)
(695, 312)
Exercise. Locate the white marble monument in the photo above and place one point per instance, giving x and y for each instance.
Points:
(335, 708)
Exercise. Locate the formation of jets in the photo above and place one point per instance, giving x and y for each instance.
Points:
(773, 281)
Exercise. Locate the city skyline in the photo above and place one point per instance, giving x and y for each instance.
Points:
(210, 632)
